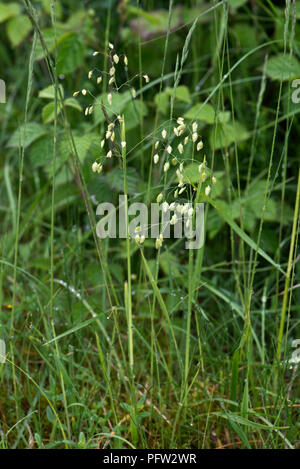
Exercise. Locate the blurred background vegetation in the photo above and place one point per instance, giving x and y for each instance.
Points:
(246, 119)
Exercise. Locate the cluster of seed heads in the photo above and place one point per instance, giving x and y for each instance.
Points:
(180, 131)
(109, 136)
(139, 238)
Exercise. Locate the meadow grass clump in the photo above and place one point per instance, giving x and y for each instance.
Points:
(137, 341)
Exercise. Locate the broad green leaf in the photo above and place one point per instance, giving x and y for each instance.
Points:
(18, 28)
(206, 113)
(162, 102)
(227, 133)
(82, 143)
(255, 201)
(48, 112)
(162, 99)
(72, 102)
(283, 67)
(133, 112)
(70, 53)
(26, 135)
(41, 151)
(119, 101)
(98, 187)
(49, 39)
(203, 112)
(223, 116)
(182, 93)
(115, 179)
(8, 10)
(244, 34)
(191, 173)
(48, 92)
(77, 19)
(214, 223)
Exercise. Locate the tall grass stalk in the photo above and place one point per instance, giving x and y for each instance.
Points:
(288, 271)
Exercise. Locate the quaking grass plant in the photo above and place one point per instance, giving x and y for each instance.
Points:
(139, 342)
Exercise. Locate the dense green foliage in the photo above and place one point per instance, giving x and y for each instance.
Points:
(115, 344)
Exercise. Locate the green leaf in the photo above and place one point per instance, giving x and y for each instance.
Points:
(115, 179)
(41, 151)
(191, 173)
(48, 92)
(49, 39)
(48, 112)
(283, 67)
(72, 102)
(214, 223)
(239, 431)
(119, 101)
(219, 188)
(8, 11)
(17, 29)
(26, 135)
(162, 102)
(133, 112)
(206, 113)
(70, 53)
(82, 143)
(162, 99)
(228, 133)
(58, 8)
(169, 261)
(241, 233)
(202, 112)
(244, 34)
(182, 93)
(49, 414)
(234, 4)
(255, 202)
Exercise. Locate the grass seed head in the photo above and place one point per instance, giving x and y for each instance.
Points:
(159, 198)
